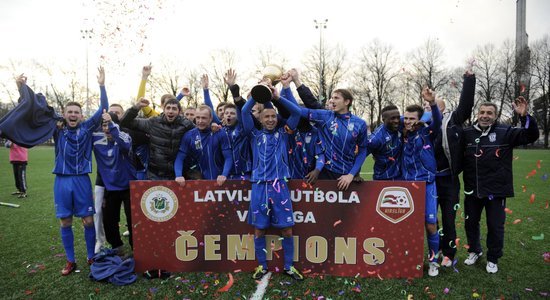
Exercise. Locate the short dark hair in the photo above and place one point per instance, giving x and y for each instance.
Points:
(415, 108)
(221, 104)
(173, 101)
(73, 103)
(165, 98)
(230, 105)
(346, 94)
(389, 108)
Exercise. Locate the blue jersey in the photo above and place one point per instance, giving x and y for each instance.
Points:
(418, 161)
(270, 147)
(73, 146)
(344, 137)
(240, 149)
(305, 153)
(208, 150)
(386, 148)
(114, 158)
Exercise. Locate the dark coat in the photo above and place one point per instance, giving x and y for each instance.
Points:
(488, 157)
(164, 139)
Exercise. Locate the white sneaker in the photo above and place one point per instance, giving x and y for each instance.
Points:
(126, 233)
(434, 269)
(446, 262)
(491, 267)
(472, 258)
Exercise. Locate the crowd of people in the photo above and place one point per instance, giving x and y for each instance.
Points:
(280, 139)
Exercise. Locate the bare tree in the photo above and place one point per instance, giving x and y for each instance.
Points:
(540, 85)
(166, 77)
(375, 73)
(427, 67)
(324, 70)
(220, 61)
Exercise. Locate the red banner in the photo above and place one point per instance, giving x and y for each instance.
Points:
(375, 228)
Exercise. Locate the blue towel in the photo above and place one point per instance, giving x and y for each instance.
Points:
(110, 267)
(31, 122)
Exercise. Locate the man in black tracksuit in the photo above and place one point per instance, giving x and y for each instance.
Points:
(449, 165)
(488, 177)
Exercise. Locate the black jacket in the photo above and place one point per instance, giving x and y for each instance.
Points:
(448, 152)
(164, 139)
(488, 157)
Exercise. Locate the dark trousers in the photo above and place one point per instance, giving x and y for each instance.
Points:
(111, 216)
(494, 211)
(20, 175)
(448, 190)
(328, 175)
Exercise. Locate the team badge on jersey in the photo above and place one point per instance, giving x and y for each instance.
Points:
(492, 137)
(395, 204)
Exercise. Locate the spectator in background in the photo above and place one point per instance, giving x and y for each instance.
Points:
(18, 159)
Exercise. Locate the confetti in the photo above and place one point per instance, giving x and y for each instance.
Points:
(538, 163)
(415, 185)
(228, 285)
(531, 174)
(446, 291)
(497, 152)
(508, 211)
(532, 199)
(516, 221)
(469, 193)
(457, 206)
(480, 153)
(336, 223)
(538, 237)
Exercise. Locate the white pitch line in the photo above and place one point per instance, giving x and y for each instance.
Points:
(261, 288)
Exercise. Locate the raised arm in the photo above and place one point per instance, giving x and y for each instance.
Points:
(205, 82)
(247, 118)
(304, 92)
(148, 112)
(129, 118)
(466, 103)
(295, 112)
(529, 132)
(429, 96)
(95, 120)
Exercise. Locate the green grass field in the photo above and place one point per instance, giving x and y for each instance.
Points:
(31, 254)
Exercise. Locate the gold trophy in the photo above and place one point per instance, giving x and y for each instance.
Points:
(261, 93)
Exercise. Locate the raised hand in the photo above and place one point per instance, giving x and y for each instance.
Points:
(101, 76)
(142, 102)
(295, 76)
(428, 95)
(20, 80)
(520, 106)
(286, 79)
(230, 77)
(106, 116)
(204, 81)
(146, 71)
(185, 91)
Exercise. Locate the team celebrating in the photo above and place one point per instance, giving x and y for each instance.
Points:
(268, 141)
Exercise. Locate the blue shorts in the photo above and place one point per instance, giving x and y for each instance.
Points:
(431, 203)
(73, 196)
(270, 206)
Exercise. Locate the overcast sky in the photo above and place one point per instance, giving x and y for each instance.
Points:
(189, 30)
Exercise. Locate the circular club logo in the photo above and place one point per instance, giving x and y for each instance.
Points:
(159, 204)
